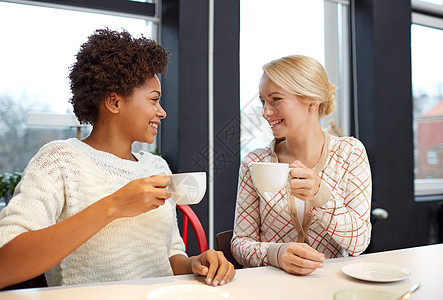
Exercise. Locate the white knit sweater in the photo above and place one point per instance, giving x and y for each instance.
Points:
(67, 176)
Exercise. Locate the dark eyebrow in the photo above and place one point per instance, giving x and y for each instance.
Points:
(158, 92)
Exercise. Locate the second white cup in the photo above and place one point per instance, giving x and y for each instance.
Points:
(270, 177)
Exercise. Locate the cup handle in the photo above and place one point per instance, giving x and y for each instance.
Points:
(289, 173)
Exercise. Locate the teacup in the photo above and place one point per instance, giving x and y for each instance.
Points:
(270, 177)
(187, 188)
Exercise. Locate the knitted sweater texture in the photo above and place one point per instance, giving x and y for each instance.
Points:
(67, 176)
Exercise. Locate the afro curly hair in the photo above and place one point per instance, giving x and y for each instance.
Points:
(112, 61)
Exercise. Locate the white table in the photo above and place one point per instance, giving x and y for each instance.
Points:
(425, 264)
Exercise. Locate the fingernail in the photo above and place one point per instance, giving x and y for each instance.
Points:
(215, 283)
(222, 282)
(209, 280)
(320, 265)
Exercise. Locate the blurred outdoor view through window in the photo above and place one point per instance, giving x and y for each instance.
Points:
(270, 30)
(427, 86)
(38, 47)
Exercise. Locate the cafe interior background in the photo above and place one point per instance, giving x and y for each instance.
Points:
(384, 57)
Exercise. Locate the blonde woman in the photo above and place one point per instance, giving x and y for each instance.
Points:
(324, 210)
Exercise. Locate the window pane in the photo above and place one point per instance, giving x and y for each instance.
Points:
(38, 47)
(427, 86)
(269, 30)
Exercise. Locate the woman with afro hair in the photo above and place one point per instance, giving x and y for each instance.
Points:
(90, 210)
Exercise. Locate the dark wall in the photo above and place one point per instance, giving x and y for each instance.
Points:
(226, 111)
(185, 136)
(384, 93)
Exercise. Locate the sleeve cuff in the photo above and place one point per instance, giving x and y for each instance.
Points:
(322, 196)
(273, 254)
(176, 251)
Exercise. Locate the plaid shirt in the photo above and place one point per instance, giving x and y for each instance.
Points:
(336, 220)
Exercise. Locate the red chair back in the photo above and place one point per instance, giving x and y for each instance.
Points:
(191, 217)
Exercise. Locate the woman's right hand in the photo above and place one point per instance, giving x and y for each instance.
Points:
(299, 258)
(139, 196)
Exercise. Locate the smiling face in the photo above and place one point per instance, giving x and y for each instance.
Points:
(141, 112)
(285, 113)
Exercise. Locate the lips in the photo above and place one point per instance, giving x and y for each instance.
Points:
(154, 125)
(273, 123)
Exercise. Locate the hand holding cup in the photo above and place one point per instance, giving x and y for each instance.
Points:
(138, 196)
(305, 183)
(272, 177)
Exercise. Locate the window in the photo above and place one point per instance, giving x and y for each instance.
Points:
(427, 89)
(269, 30)
(38, 46)
(433, 157)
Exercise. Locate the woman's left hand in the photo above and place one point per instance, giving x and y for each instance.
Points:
(213, 264)
(305, 183)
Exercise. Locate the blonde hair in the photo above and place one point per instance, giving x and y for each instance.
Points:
(306, 78)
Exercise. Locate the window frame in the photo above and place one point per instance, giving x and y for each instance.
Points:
(427, 8)
(120, 8)
(141, 9)
(429, 15)
(341, 70)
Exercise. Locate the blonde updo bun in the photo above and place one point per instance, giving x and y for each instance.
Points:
(306, 78)
(328, 106)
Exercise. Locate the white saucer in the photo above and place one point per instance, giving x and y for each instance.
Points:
(377, 272)
(188, 292)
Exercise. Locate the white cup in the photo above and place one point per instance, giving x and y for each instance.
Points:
(187, 188)
(270, 177)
